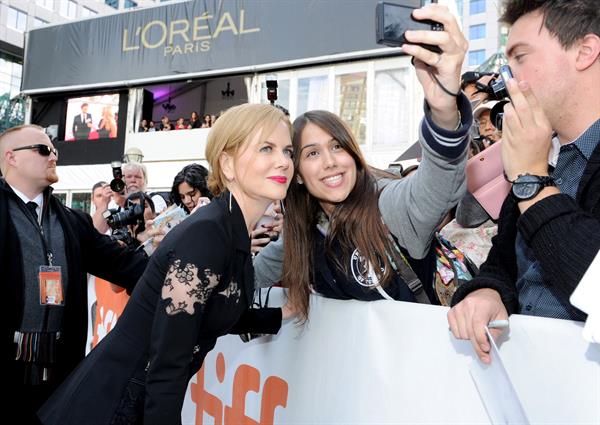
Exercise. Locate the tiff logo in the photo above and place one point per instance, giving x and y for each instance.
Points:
(246, 379)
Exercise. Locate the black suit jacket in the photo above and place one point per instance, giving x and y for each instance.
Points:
(80, 128)
(87, 251)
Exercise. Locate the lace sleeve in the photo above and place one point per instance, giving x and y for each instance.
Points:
(193, 271)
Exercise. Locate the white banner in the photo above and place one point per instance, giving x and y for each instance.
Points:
(389, 362)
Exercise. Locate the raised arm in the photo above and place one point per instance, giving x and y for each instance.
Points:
(413, 207)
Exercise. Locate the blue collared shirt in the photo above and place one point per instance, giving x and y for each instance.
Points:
(536, 298)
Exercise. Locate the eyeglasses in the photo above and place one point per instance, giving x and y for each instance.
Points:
(42, 149)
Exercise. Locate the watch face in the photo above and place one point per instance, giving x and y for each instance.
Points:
(526, 187)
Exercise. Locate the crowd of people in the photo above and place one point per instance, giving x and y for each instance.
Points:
(166, 124)
(337, 226)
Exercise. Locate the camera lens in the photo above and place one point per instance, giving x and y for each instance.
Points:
(498, 121)
(497, 114)
(117, 185)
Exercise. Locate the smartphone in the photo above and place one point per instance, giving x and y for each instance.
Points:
(505, 74)
(392, 20)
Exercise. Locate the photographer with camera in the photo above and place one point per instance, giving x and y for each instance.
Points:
(133, 225)
(488, 133)
(101, 197)
(129, 178)
(140, 225)
(474, 85)
(132, 177)
(549, 226)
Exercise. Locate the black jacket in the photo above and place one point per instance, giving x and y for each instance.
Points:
(80, 128)
(87, 251)
(564, 234)
(198, 286)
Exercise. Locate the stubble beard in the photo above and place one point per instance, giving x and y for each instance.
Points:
(51, 175)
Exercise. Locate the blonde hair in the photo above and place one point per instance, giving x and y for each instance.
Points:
(234, 129)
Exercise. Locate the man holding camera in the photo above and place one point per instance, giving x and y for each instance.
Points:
(474, 85)
(46, 248)
(488, 133)
(549, 229)
(101, 196)
(136, 179)
(130, 181)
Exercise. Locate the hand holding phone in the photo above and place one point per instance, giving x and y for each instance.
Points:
(527, 135)
(393, 20)
(438, 70)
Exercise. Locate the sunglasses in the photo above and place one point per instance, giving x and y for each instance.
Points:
(42, 149)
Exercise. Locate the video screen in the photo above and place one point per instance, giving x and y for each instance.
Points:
(92, 117)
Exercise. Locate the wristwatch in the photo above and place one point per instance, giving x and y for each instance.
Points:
(527, 186)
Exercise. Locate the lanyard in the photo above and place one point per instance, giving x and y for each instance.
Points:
(46, 243)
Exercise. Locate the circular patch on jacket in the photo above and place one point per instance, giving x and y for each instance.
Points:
(362, 271)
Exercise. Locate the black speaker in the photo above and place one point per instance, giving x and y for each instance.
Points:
(147, 105)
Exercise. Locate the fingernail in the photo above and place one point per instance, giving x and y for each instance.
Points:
(523, 85)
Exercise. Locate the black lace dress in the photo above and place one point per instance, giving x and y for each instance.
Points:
(198, 286)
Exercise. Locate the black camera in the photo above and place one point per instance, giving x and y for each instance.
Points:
(272, 85)
(393, 20)
(497, 114)
(118, 221)
(133, 214)
(496, 88)
(124, 236)
(117, 184)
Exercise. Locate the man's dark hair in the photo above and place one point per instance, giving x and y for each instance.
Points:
(143, 198)
(84, 105)
(568, 20)
(97, 185)
(471, 77)
(195, 175)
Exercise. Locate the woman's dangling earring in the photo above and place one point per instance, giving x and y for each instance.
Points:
(229, 201)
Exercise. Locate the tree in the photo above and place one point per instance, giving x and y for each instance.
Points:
(12, 111)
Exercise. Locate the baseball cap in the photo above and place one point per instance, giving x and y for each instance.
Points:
(485, 106)
(472, 77)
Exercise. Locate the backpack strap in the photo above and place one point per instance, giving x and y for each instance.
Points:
(403, 268)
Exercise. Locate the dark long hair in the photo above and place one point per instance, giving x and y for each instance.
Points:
(355, 222)
(195, 175)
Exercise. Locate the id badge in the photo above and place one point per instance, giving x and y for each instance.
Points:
(51, 289)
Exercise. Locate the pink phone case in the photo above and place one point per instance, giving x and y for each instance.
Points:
(485, 179)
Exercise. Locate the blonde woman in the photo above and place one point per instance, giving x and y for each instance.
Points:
(107, 127)
(198, 286)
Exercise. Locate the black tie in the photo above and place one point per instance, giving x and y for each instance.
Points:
(33, 208)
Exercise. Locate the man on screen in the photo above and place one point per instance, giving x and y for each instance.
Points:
(82, 123)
